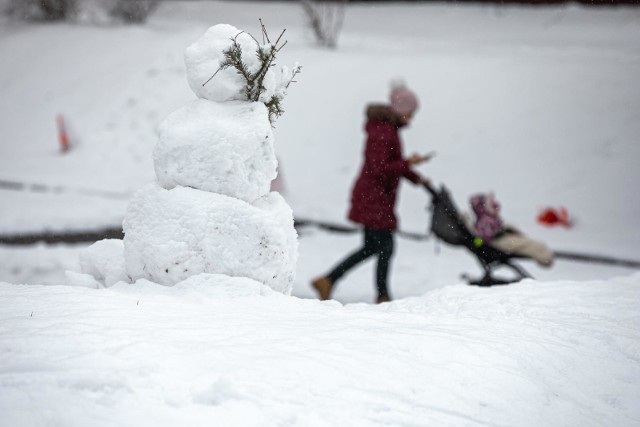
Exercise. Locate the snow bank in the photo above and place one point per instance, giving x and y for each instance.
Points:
(231, 351)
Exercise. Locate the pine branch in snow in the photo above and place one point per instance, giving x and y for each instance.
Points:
(274, 104)
(255, 88)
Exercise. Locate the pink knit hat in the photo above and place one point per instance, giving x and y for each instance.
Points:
(402, 100)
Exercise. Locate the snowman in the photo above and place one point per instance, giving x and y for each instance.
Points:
(210, 209)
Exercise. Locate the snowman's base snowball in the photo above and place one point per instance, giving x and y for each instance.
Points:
(171, 235)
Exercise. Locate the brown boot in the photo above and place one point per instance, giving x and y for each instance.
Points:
(323, 286)
(383, 298)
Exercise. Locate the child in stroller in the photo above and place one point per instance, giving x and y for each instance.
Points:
(494, 244)
(490, 228)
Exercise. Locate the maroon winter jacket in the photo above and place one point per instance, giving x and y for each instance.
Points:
(374, 195)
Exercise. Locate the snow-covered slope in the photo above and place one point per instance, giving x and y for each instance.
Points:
(530, 354)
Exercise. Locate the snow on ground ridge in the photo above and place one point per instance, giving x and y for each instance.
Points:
(513, 364)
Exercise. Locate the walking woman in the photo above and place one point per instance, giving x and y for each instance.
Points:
(373, 198)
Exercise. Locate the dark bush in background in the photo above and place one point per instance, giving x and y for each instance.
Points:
(47, 10)
(102, 11)
(57, 9)
(133, 11)
(325, 18)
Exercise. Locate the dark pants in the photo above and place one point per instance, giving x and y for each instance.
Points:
(376, 242)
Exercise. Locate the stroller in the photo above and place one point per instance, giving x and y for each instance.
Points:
(448, 225)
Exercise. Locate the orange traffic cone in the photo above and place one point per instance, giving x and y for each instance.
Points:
(63, 137)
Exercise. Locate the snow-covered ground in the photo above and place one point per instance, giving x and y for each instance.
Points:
(537, 104)
(559, 354)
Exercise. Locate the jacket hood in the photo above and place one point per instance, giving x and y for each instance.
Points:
(383, 113)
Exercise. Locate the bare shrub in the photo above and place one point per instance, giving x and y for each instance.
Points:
(57, 9)
(133, 11)
(48, 10)
(325, 19)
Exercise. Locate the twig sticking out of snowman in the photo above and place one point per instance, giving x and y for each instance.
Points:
(255, 82)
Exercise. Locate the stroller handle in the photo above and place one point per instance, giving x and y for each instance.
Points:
(429, 188)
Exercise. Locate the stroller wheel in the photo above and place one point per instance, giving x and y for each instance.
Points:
(485, 281)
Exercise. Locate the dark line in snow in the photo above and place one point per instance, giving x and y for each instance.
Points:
(79, 236)
(42, 188)
(88, 236)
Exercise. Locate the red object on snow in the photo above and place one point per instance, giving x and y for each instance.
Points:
(551, 216)
(63, 137)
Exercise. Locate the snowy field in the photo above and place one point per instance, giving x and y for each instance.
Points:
(539, 105)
